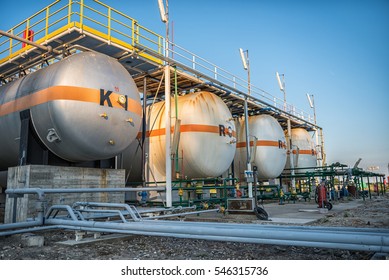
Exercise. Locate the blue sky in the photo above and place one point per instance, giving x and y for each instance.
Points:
(336, 50)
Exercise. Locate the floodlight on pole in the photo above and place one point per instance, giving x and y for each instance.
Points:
(243, 57)
(165, 18)
(310, 100)
(162, 12)
(280, 83)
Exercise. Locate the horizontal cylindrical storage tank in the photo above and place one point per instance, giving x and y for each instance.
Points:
(303, 150)
(267, 146)
(207, 140)
(83, 108)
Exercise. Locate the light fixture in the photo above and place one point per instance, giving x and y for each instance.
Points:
(242, 56)
(310, 100)
(280, 84)
(162, 12)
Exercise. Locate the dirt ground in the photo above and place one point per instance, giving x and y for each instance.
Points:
(371, 213)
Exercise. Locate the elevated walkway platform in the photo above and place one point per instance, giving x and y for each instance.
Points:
(75, 26)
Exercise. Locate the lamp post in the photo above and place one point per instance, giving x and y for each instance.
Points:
(290, 145)
(244, 55)
(311, 101)
(281, 84)
(165, 18)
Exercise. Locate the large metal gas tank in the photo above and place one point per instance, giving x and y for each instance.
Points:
(267, 146)
(207, 137)
(83, 108)
(303, 150)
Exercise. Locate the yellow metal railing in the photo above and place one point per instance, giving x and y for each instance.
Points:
(95, 18)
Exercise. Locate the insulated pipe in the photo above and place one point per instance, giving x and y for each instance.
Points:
(115, 213)
(66, 208)
(40, 192)
(367, 231)
(102, 204)
(335, 245)
(141, 211)
(21, 225)
(131, 212)
(245, 227)
(119, 213)
(269, 234)
(173, 209)
(225, 225)
(27, 230)
(235, 231)
(345, 230)
(351, 240)
(144, 211)
(117, 228)
(180, 214)
(344, 246)
(134, 214)
(39, 221)
(47, 49)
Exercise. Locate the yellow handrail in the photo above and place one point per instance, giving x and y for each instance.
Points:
(70, 12)
(113, 9)
(75, 13)
(57, 11)
(36, 23)
(109, 24)
(47, 21)
(121, 23)
(82, 13)
(34, 15)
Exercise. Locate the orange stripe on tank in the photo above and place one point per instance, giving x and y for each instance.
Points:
(305, 152)
(64, 93)
(186, 128)
(261, 143)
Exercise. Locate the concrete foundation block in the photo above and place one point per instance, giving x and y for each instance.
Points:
(32, 240)
(63, 177)
(80, 235)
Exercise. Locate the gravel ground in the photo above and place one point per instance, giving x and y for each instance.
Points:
(371, 213)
